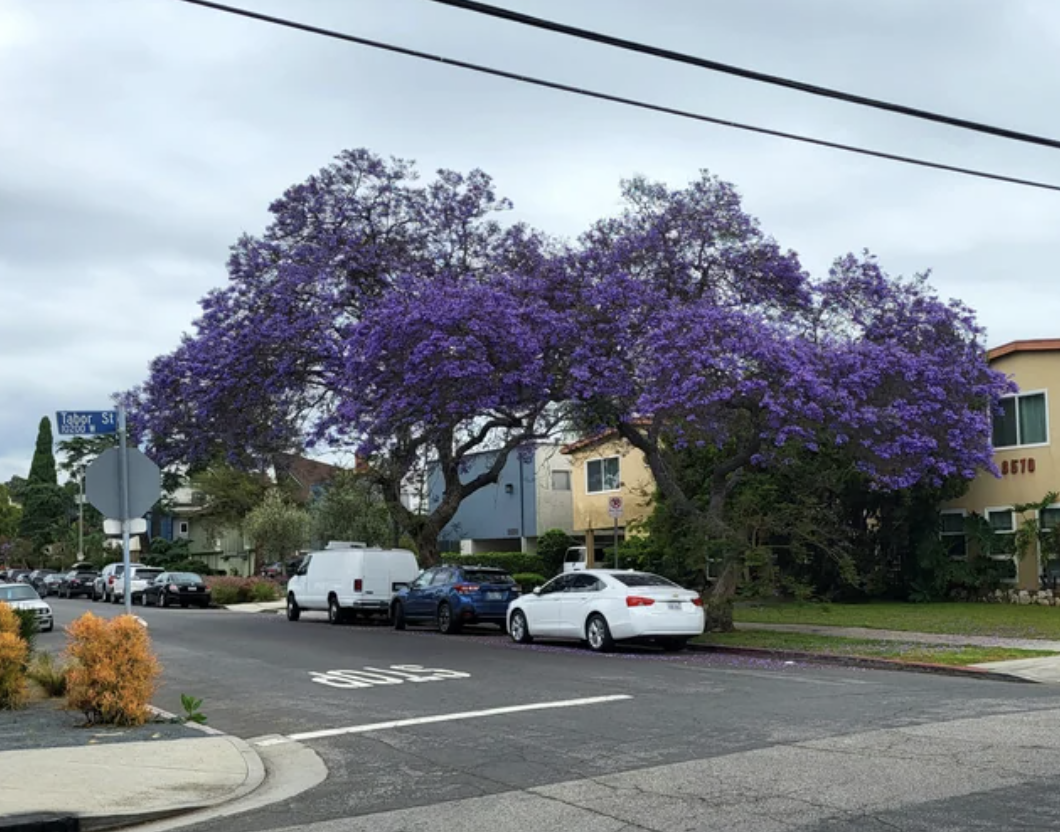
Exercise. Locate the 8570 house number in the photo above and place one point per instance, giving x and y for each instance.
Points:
(1018, 466)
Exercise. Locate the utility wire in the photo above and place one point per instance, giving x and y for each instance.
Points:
(617, 99)
(741, 72)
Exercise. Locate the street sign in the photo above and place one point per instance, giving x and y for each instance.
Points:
(86, 422)
(614, 507)
(103, 484)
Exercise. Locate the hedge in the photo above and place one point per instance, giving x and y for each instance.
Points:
(514, 562)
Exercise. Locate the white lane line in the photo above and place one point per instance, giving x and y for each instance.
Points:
(429, 720)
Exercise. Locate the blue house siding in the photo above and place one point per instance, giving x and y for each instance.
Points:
(505, 511)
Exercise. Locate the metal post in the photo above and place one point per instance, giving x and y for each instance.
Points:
(123, 496)
(81, 517)
(616, 542)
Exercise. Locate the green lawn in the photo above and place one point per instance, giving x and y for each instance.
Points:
(904, 651)
(998, 620)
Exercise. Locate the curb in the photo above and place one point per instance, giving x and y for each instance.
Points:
(862, 662)
(96, 823)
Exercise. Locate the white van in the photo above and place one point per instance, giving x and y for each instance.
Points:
(577, 557)
(347, 578)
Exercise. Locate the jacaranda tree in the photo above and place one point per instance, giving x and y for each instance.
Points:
(375, 314)
(405, 321)
(703, 333)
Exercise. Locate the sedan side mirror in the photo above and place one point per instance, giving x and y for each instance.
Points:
(537, 590)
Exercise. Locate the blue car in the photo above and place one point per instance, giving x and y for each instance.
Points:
(452, 596)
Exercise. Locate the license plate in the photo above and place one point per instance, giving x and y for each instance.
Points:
(494, 596)
(675, 605)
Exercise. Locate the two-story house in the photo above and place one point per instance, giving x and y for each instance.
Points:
(1028, 461)
(605, 467)
(531, 496)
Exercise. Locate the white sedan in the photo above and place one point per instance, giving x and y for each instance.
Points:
(602, 606)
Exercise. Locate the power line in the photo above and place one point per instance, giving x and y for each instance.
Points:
(741, 72)
(617, 99)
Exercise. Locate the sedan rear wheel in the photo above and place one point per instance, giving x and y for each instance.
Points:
(518, 628)
(598, 634)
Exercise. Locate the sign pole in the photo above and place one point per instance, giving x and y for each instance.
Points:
(123, 491)
(616, 542)
(81, 516)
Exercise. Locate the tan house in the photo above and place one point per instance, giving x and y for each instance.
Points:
(1023, 451)
(608, 472)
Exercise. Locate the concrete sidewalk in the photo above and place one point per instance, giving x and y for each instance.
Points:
(264, 606)
(113, 785)
(899, 635)
(1045, 669)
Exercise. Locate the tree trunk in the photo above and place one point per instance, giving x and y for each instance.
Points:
(718, 604)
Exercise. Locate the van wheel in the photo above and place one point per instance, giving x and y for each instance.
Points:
(335, 613)
(397, 613)
(446, 623)
(293, 612)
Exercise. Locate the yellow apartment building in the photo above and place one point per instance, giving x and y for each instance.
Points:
(1023, 451)
(605, 467)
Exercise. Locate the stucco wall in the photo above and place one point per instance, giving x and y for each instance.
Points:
(636, 486)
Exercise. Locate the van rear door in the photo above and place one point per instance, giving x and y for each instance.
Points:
(376, 579)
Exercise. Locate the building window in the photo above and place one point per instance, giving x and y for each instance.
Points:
(951, 530)
(1003, 526)
(561, 480)
(182, 528)
(1023, 420)
(602, 475)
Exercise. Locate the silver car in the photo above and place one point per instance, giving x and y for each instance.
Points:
(25, 597)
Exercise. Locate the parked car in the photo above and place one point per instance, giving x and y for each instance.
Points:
(50, 584)
(139, 577)
(452, 596)
(602, 606)
(347, 578)
(36, 579)
(24, 597)
(104, 585)
(18, 576)
(184, 588)
(78, 582)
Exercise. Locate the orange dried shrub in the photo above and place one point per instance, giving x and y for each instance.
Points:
(9, 620)
(13, 654)
(114, 672)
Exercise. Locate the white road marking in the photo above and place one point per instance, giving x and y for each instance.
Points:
(429, 720)
(394, 675)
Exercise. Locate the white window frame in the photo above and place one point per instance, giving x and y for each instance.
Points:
(1015, 525)
(183, 528)
(1017, 396)
(963, 513)
(601, 460)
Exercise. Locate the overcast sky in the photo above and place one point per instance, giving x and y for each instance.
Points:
(139, 138)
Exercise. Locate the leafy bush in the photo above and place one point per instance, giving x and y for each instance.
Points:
(13, 654)
(49, 674)
(528, 580)
(552, 547)
(227, 591)
(115, 672)
(513, 562)
(20, 623)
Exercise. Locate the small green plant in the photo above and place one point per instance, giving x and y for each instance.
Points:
(28, 628)
(528, 580)
(191, 707)
(49, 674)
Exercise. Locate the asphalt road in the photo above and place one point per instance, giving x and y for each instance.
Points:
(668, 743)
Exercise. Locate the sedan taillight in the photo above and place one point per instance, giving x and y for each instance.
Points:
(639, 601)
(697, 601)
